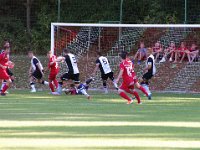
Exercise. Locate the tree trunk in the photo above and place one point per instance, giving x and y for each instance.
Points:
(28, 17)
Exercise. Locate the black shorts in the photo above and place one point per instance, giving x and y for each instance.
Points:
(69, 76)
(37, 75)
(108, 75)
(9, 72)
(147, 76)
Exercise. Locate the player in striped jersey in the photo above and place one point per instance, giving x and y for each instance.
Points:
(72, 71)
(36, 72)
(103, 64)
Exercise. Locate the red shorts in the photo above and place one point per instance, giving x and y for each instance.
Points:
(128, 84)
(4, 75)
(52, 75)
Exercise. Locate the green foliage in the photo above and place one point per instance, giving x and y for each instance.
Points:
(13, 17)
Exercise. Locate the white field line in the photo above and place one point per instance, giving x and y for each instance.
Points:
(95, 123)
(100, 142)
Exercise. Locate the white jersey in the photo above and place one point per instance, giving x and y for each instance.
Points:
(103, 65)
(71, 63)
(34, 62)
(151, 61)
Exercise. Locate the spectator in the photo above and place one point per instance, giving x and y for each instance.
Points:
(141, 53)
(170, 51)
(181, 52)
(192, 53)
(157, 50)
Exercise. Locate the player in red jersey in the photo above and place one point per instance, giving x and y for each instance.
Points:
(54, 70)
(129, 80)
(4, 64)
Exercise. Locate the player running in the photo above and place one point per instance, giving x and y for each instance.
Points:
(103, 64)
(54, 70)
(36, 72)
(150, 71)
(4, 64)
(129, 79)
(6, 45)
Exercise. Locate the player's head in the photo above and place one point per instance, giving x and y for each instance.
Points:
(7, 50)
(149, 51)
(30, 54)
(49, 54)
(123, 55)
(6, 44)
(66, 51)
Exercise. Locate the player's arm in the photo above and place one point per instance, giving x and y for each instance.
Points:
(59, 59)
(30, 70)
(95, 69)
(119, 75)
(2, 66)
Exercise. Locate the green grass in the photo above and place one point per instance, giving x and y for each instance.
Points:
(41, 121)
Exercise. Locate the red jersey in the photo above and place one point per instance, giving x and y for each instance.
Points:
(128, 67)
(54, 67)
(4, 58)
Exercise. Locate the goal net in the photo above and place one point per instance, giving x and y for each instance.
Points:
(85, 39)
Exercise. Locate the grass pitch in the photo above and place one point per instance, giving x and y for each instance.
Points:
(41, 121)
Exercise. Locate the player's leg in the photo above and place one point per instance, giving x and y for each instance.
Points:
(51, 78)
(63, 78)
(111, 76)
(6, 86)
(104, 78)
(39, 77)
(82, 90)
(144, 82)
(88, 81)
(9, 72)
(133, 92)
(141, 88)
(2, 84)
(32, 83)
(122, 93)
(5, 76)
(55, 82)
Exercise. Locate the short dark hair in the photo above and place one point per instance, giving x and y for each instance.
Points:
(123, 54)
(66, 50)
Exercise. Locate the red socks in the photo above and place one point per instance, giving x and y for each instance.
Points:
(143, 90)
(51, 86)
(137, 96)
(55, 83)
(123, 95)
(4, 88)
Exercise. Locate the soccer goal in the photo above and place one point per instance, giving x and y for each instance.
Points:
(85, 39)
(111, 38)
